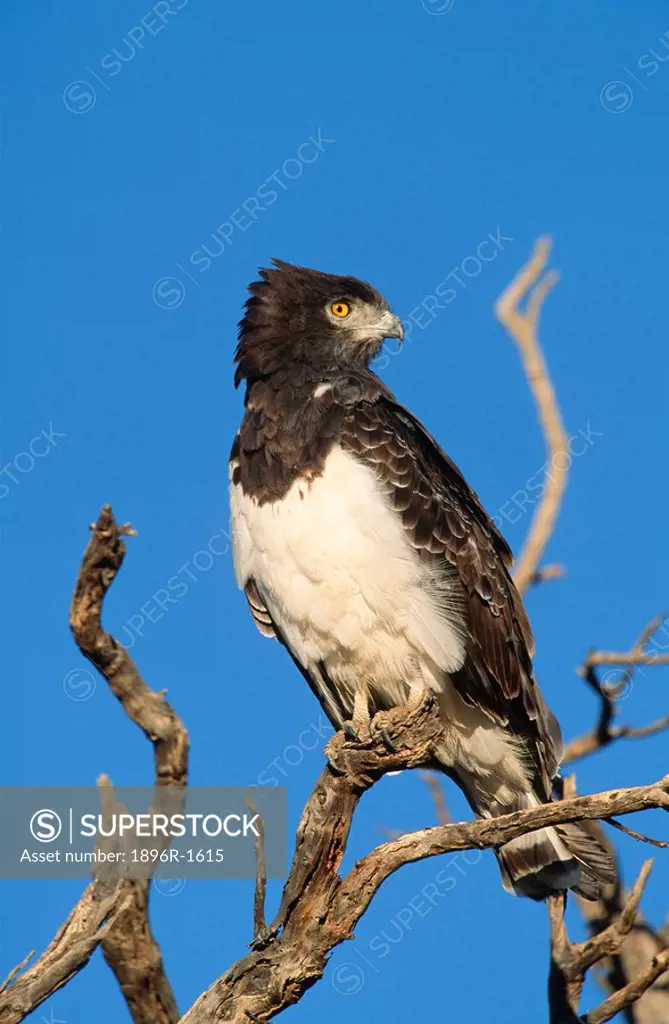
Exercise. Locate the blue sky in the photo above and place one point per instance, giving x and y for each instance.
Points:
(436, 125)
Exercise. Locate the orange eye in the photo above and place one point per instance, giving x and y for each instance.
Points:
(340, 308)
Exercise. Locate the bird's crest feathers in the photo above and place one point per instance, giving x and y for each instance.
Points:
(286, 309)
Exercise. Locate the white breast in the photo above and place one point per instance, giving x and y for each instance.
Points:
(339, 577)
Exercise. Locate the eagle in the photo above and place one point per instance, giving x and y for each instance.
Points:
(363, 550)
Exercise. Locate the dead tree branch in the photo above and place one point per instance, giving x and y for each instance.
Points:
(635, 962)
(69, 951)
(571, 961)
(319, 908)
(130, 947)
(523, 325)
(609, 694)
(631, 961)
(433, 783)
(260, 930)
(114, 914)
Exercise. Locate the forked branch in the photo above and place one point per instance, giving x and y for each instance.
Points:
(611, 692)
(572, 961)
(112, 914)
(531, 285)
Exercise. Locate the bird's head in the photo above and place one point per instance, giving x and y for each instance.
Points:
(298, 315)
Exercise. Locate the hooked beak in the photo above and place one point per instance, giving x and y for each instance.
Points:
(390, 326)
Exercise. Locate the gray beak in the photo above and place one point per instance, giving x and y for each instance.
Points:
(390, 326)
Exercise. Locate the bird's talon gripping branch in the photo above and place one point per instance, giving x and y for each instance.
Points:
(378, 730)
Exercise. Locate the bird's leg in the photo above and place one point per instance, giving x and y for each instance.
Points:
(358, 727)
(418, 694)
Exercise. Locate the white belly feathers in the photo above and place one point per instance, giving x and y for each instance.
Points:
(339, 577)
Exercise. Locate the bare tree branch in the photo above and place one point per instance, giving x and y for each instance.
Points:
(130, 947)
(554, 571)
(564, 992)
(631, 961)
(628, 658)
(572, 961)
(609, 695)
(660, 843)
(113, 914)
(260, 930)
(433, 783)
(148, 710)
(632, 992)
(16, 970)
(68, 952)
(530, 285)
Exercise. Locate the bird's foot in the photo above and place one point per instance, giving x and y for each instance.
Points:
(378, 730)
(419, 700)
(358, 728)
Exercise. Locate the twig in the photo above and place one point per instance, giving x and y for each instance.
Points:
(627, 658)
(610, 939)
(16, 970)
(604, 732)
(641, 944)
(260, 931)
(636, 835)
(637, 655)
(67, 953)
(547, 572)
(433, 783)
(523, 327)
(631, 992)
(582, 746)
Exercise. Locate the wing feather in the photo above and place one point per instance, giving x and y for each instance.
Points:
(315, 674)
(448, 526)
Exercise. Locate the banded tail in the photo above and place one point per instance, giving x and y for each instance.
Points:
(554, 859)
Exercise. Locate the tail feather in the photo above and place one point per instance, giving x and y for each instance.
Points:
(538, 864)
(554, 859)
(597, 867)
